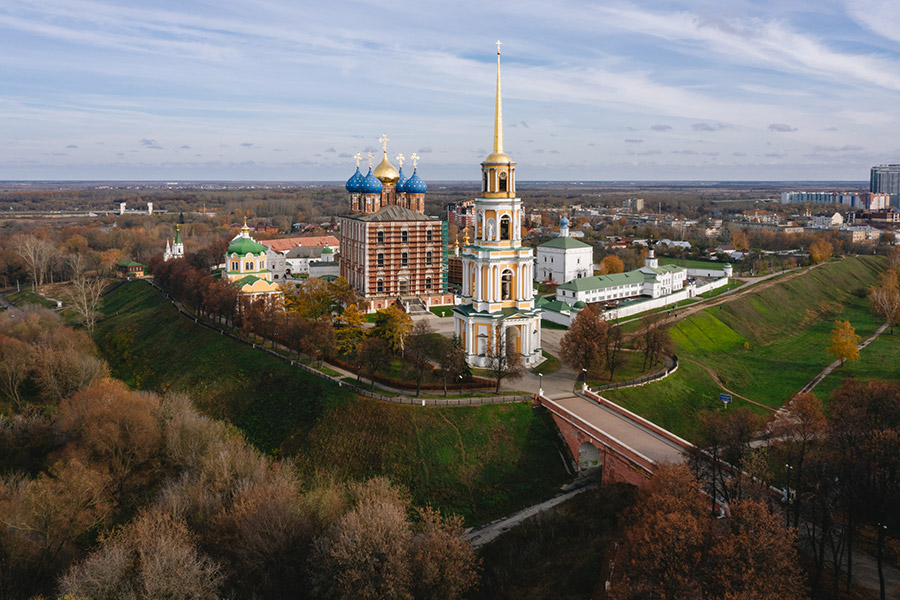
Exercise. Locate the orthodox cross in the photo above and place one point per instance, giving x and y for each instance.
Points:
(370, 156)
(415, 158)
(400, 159)
(358, 157)
(498, 46)
(384, 139)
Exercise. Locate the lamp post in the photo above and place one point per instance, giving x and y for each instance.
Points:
(460, 385)
(584, 383)
(540, 384)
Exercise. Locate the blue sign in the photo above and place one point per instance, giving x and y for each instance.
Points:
(726, 398)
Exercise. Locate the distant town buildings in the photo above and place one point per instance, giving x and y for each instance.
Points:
(859, 200)
(885, 179)
(462, 214)
(634, 205)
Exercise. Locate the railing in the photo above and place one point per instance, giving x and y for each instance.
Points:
(356, 389)
(655, 376)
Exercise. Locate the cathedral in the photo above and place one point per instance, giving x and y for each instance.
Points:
(497, 311)
(175, 250)
(391, 252)
(245, 266)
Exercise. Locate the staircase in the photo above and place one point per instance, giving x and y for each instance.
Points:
(414, 306)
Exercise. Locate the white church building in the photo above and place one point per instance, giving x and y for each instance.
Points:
(564, 258)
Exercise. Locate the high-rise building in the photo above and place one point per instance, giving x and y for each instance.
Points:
(496, 316)
(886, 179)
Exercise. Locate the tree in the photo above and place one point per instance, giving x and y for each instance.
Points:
(350, 333)
(37, 252)
(844, 342)
(391, 325)
(820, 250)
(740, 240)
(87, 297)
(611, 264)
(613, 343)
(884, 298)
(312, 300)
(15, 367)
(372, 356)
(419, 346)
(653, 339)
(319, 340)
(444, 563)
(452, 359)
(582, 346)
(503, 361)
(64, 364)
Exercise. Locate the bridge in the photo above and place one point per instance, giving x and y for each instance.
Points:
(602, 434)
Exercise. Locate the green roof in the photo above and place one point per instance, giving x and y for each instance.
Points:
(579, 304)
(598, 282)
(129, 263)
(178, 234)
(565, 243)
(557, 306)
(247, 280)
(243, 246)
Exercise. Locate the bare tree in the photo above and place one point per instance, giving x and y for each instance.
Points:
(503, 360)
(15, 366)
(37, 253)
(417, 349)
(452, 358)
(87, 297)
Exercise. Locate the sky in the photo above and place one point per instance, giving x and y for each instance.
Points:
(592, 90)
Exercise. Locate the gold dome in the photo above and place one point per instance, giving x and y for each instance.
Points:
(498, 157)
(385, 172)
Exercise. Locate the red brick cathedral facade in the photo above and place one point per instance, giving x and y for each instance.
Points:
(390, 250)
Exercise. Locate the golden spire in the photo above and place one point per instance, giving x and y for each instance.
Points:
(498, 155)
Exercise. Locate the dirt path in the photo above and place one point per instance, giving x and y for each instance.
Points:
(722, 385)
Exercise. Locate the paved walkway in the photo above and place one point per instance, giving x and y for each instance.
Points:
(651, 445)
(827, 370)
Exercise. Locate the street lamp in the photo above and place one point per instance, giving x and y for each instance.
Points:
(540, 384)
(584, 383)
(460, 385)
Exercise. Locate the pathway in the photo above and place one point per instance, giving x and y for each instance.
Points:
(718, 381)
(827, 370)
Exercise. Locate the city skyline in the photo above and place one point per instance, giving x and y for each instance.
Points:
(651, 91)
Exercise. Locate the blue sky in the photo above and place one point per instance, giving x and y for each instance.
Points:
(279, 90)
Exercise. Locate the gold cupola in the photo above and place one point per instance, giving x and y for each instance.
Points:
(385, 171)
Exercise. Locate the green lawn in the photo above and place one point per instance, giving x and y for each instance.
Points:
(690, 263)
(732, 283)
(632, 368)
(480, 462)
(551, 325)
(442, 311)
(25, 297)
(878, 360)
(548, 366)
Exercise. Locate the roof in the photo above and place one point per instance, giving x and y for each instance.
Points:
(304, 252)
(566, 243)
(246, 280)
(598, 282)
(393, 212)
(129, 263)
(557, 306)
(285, 244)
(244, 245)
(661, 269)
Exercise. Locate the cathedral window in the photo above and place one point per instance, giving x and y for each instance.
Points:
(248, 266)
(428, 236)
(428, 258)
(404, 258)
(380, 259)
(380, 236)
(428, 283)
(484, 182)
(379, 286)
(506, 285)
(404, 236)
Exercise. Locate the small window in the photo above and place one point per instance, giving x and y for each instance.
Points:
(428, 283)
(380, 259)
(404, 258)
(404, 236)
(428, 237)
(403, 286)
(234, 266)
(504, 228)
(379, 285)
(428, 258)
(380, 237)
(248, 266)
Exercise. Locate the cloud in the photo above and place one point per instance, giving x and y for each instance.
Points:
(830, 129)
(708, 126)
(739, 154)
(73, 146)
(779, 154)
(649, 152)
(634, 141)
(520, 124)
(781, 128)
(554, 152)
(247, 144)
(686, 152)
(371, 149)
(846, 148)
(148, 143)
(661, 127)
(185, 147)
(345, 155)
(425, 150)
(331, 149)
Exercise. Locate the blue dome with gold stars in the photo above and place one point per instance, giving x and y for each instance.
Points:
(401, 183)
(415, 185)
(355, 183)
(370, 185)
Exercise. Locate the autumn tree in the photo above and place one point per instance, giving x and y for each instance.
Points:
(418, 349)
(740, 240)
(884, 298)
(443, 561)
(844, 343)
(312, 300)
(613, 349)
(350, 332)
(15, 367)
(452, 359)
(86, 298)
(64, 364)
(319, 340)
(653, 340)
(583, 345)
(820, 250)
(611, 264)
(392, 325)
(503, 359)
(371, 357)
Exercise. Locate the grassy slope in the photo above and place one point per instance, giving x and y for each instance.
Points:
(786, 328)
(879, 360)
(480, 461)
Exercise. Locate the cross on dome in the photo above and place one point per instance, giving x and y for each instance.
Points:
(415, 159)
(498, 46)
(370, 156)
(384, 139)
(358, 157)
(400, 159)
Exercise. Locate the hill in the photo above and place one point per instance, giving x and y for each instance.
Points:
(765, 346)
(480, 462)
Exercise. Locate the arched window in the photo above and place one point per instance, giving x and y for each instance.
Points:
(428, 283)
(428, 258)
(234, 265)
(502, 181)
(379, 286)
(504, 227)
(484, 182)
(248, 266)
(404, 236)
(404, 258)
(380, 259)
(428, 236)
(380, 237)
(506, 285)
